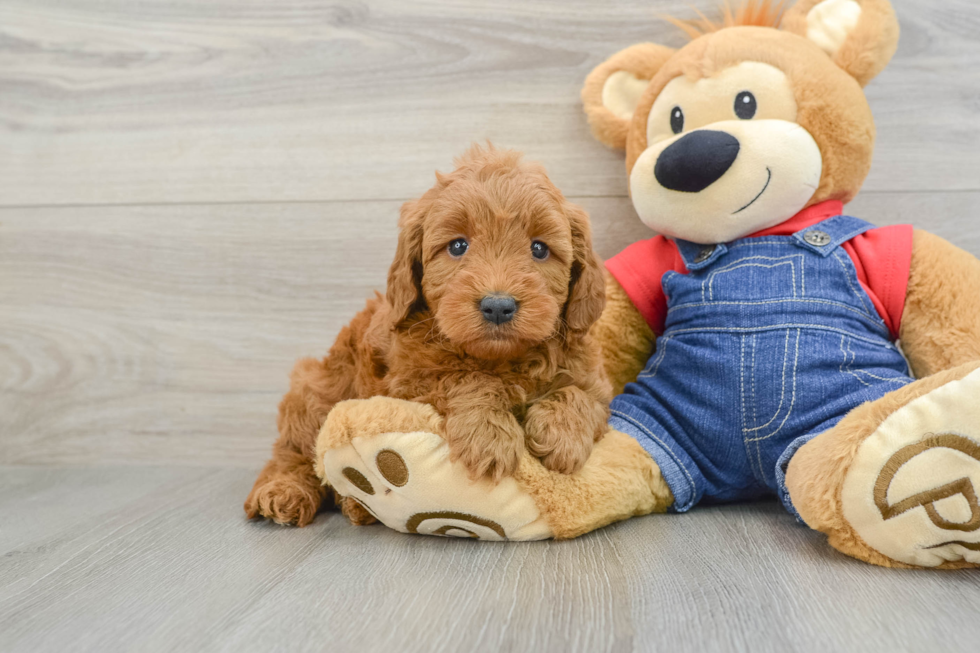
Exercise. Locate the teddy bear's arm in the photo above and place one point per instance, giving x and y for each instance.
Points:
(941, 321)
(626, 339)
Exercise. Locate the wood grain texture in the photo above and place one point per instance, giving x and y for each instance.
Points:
(165, 333)
(161, 101)
(194, 194)
(155, 334)
(160, 559)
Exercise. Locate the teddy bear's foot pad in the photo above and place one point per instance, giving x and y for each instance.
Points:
(912, 490)
(407, 481)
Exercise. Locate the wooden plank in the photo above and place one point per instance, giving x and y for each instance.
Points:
(165, 334)
(154, 332)
(151, 101)
(161, 559)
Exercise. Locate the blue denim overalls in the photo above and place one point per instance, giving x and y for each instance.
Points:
(769, 341)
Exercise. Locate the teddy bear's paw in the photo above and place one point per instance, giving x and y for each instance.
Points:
(911, 492)
(406, 480)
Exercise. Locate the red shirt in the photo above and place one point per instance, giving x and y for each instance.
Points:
(882, 257)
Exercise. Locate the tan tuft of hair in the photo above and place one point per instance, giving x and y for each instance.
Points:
(758, 13)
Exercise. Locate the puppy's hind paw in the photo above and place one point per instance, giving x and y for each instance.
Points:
(284, 500)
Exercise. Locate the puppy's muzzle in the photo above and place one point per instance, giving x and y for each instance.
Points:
(498, 309)
(696, 161)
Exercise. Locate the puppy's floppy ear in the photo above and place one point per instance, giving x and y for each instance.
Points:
(404, 292)
(613, 89)
(587, 287)
(861, 36)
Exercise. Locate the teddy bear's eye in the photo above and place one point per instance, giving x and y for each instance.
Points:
(676, 120)
(745, 105)
(458, 247)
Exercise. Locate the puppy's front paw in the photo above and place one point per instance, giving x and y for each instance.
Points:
(488, 443)
(563, 445)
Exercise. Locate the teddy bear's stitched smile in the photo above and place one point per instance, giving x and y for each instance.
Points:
(768, 179)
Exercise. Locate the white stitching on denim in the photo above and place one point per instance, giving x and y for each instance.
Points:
(792, 268)
(758, 242)
(779, 327)
(634, 422)
(741, 263)
(662, 350)
(846, 350)
(841, 239)
(881, 378)
(853, 372)
(755, 403)
(792, 404)
(847, 277)
(782, 395)
(758, 446)
(848, 360)
(745, 443)
(755, 420)
(791, 239)
(758, 456)
(844, 361)
(875, 321)
(736, 264)
(830, 226)
(745, 427)
(741, 378)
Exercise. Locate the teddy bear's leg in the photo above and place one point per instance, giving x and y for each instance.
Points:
(620, 480)
(390, 457)
(896, 482)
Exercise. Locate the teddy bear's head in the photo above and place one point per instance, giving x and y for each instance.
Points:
(749, 123)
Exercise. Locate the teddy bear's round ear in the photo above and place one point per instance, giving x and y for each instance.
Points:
(613, 89)
(861, 36)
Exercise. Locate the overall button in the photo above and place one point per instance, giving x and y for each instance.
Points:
(705, 253)
(817, 238)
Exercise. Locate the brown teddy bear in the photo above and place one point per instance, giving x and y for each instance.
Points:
(771, 316)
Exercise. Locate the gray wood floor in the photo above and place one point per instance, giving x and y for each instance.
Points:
(193, 194)
(156, 558)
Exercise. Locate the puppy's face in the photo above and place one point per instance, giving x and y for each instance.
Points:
(497, 262)
(499, 256)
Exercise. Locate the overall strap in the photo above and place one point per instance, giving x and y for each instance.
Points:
(825, 237)
(699, 256)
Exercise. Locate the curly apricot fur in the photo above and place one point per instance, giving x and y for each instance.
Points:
(427, 341)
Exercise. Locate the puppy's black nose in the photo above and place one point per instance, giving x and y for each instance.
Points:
(498, 308)
(696, 161)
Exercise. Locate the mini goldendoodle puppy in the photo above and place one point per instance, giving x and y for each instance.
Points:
(487, 313)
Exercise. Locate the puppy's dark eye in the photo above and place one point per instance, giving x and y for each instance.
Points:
(676, 120)
(745, 105)
(539, 250)
(458, 247)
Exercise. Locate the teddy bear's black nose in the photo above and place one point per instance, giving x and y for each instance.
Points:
(498, 308)
(696, 161)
